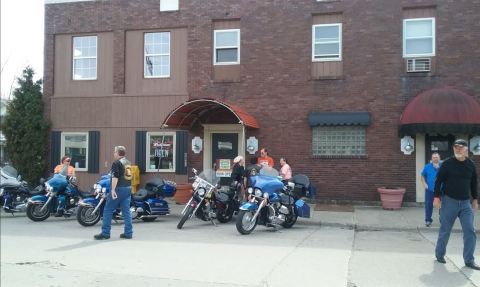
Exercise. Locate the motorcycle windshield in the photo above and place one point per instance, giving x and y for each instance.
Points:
(58, 181)
(9, 172)
(210, 175)
(269, 171)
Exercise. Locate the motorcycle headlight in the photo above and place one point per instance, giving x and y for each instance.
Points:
(201, 192)
(258, 192)
(266, 195)
(250, 190)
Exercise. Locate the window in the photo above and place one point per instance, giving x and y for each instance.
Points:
(157, 55)
(75, 145)
(168, 5)
(338, 140)
(85, 58)
(160, 152)
(226, 47)
(419, 37)
(327, 42)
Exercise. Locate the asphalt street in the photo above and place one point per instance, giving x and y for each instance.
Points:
(60, 252)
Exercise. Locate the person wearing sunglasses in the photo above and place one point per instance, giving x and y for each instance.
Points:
(64, 167)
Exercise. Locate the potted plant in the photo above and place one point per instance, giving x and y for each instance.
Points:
(391, 197)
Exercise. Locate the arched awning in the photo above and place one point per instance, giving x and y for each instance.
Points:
(192, 111)
(441, 110)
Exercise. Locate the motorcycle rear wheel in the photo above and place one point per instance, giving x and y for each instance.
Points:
(34, 213)
(185, 216)
(85, 216)
(226, 215)
(244, 222)
(290, 220)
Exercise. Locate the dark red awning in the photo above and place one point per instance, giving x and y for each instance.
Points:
(188, 113)
(441, 110)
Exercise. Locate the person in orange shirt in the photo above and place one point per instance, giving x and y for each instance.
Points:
(64, 167)
(264, 159)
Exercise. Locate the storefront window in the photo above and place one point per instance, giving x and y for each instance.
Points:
(338, 141)
(160, 152)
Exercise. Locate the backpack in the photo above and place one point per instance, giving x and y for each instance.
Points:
(128, 174)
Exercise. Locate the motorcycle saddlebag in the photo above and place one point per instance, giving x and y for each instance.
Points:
(303, 210)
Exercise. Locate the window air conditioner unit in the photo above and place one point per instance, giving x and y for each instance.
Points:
(418, 65)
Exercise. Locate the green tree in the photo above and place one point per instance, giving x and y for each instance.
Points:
(25, 128)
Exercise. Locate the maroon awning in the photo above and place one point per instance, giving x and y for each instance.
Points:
(441, 110)
(188, 113)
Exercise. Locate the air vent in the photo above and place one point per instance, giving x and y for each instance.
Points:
(418, 65)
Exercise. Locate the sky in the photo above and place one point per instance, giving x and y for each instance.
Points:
(21, 40)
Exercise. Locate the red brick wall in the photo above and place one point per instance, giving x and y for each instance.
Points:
(276, 84)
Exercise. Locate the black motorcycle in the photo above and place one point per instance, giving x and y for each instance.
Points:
(14, 192)
(208, 202)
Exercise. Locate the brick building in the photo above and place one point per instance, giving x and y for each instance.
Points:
(355, 94)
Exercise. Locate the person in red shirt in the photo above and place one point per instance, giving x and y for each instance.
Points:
(264, 159)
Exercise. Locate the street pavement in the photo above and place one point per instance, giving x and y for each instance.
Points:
(367, 247)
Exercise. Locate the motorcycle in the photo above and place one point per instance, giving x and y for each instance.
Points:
(208, 202)
(271, 203)
(14, 192)
(62, 191)
(147, 204)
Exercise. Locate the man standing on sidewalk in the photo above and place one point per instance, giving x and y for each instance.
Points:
(457, 179)
(428, 176)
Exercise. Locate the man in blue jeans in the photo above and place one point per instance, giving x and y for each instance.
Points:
(429, 173)
(456, 183)
(120, 194)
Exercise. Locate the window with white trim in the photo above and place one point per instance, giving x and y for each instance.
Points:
(327, 42)
(85, 58)
(160, 152)
(338, 141)
(418, 37)
(156, 57)
(226, 45)
(75, 145)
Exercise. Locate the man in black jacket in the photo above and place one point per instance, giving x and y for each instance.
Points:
(456, 196)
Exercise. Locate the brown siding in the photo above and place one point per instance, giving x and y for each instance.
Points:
(65, 86)
(227, 73)
(328, 68)
(176, 84)
(81, 112)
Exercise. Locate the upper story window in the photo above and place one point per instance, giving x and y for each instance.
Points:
(75, 145)
(156, 55)
(327, 42)
(226, 47)
(419, 37)
(168, 5)
(85, 58)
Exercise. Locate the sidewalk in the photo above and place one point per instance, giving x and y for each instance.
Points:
(376, 218)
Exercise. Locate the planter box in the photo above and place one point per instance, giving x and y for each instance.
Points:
(183, 193)
(391, 197)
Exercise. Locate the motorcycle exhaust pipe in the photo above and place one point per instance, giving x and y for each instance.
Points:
(46, 203)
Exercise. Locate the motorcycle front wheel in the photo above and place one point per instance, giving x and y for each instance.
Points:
(86, 217)
(245, 224)
(185, 216)
(35, 213)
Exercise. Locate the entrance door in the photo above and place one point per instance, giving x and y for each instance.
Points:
(441, 144)
(224, 147)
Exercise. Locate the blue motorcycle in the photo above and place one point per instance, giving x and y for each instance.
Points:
(61, 198)
(147, 204)
(271, 203)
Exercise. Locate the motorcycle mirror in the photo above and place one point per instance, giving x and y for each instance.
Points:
(194, 170)
(19, 178)
(42, 180)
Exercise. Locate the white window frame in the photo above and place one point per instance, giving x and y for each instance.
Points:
(174, 151)
(433, 37)
(62, 147)
(226, 47)
(145, 55)
(340, 35)
(81, 58)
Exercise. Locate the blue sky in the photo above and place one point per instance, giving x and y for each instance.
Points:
(22, 29)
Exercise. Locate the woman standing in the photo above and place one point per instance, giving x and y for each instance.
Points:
(286, 170)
